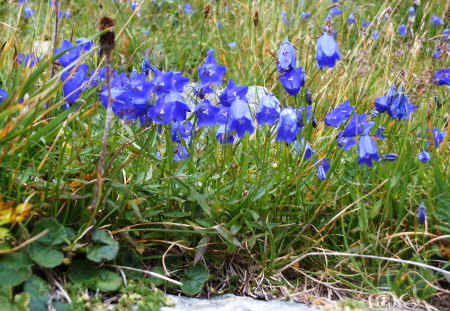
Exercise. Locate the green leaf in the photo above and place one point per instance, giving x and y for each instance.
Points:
(56, 233)
(194, 279)
(39, 291)
(442, 194)
(104, 247)
(15, 268)
(83, 272)
(108, 281)
(45, 255)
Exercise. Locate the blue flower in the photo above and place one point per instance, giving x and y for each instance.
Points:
(436, 21)
(286, 58)
(288, 128)
(356, 126)
(424, 156)
(339, 114)
(400, 107)
(146, 66)
(390, 157)
(293, 80)
(403, 30)
(206, 113)
(3, 95)
(323, 168)
(438, 136)
(72, 53)
(179, 131)
(335, 11)
(240, 118)
(304, 148)
(412, 11)
(66, 14)
(210, 73)
(345, 142)
(436, 54)
(29, 12)
(367, 151)
(180, 108)
(223, 114)
(179, 81)
(187, 8)
(442, 77)
(85, 43)
(327, 52)
(305, 15)
(74, 83)
(268, 110)
(365, 24)
(379, 133)
(179, 152)
(28, 59)
(232, 45)
(375, 34)
(351, 19)
(163, 83)
(224, 135)
(233, 92)
(161, 112)
(422, 213)
(383, 102)
(446, 34)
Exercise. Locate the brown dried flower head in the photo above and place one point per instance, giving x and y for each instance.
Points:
(107, 40)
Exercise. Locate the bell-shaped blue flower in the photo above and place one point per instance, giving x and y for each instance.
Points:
(402, 30)
(293, 80)
(288, 128)
(3, 95)
(442, 77)
(345, 142)
(225, 135)
(436, 21)
(268, 109)
(286, 58)
(179, 152)
(233, 92)
(367, 151)
(29, 60)
(355, 126)
(72, 53)
(163, 83)
(424, 156)
(322, 168)
(351, 19)
(438, 136)
(179, 81)
(422, 214)
(304, 148)
(74, 83)
(335, 11)
(339, 114)
(206, 113)
(179, 131)
(390, 157)
(383, 102)
(223, 115)
(240, 118)
(210, 72)
(161, 112)
(180, 108)
(327, 52)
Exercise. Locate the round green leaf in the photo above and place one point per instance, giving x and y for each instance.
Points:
(15, 268)
(108, 281)
(45, 255)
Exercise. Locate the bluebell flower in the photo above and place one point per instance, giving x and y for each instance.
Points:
(345, 142)
(3, 95)
(365, 24)
(179, 81)
(302, 115)
(400, 107)
(223, 115)
(29, 12)
(268, 110)
(351, 19)
(305, 15)
(304, 148)
(436, 54)
(373, 113)
(161, 112)
(163, 83)
(436, 21)
(327, 52)
(134, 5)
(180, 108)
(98, 76)
(367, 151)
(219, 25)
(335, 11)
(286, 58)
(288, 128)
(146, 66)
(284, 18)
(446, 34)
(232, 45)
(438, 136)
(74, 83)
(339, 114)
(375, 34)
(179, 152)
(179, 131)
(200, 91)
(422, 214)
(66, 14)
(72, 53)
(356, 126)
(240, 118)
(308, 97)
(85, 43)
(293, 80)
(442, 77)
(224, 135)
(412, 11)
(390, 157)
(29, 60)
(210, 72)
(233, 92)
(187, 8)
(383, 102)
(379, 133)
(424, 156)
(23, 1)
(402, 30)
(323, 168)
(206, 113)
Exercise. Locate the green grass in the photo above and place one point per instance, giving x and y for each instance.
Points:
(257, 204)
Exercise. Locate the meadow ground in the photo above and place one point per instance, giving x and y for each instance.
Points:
(306, 196)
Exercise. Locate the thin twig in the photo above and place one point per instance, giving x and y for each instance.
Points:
(31, 240)
(157, 275)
